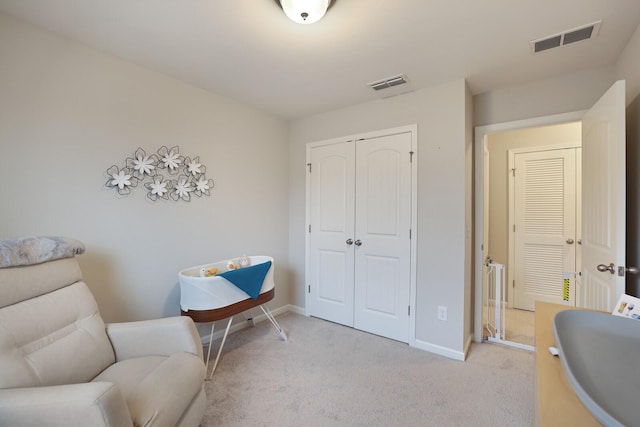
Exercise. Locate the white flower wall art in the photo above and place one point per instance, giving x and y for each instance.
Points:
(186, 176)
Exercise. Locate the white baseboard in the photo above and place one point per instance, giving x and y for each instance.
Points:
(442, 351)
(240, 323)
(295, 309)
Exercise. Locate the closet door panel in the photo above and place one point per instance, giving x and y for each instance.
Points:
(382, 226)
(332, 224)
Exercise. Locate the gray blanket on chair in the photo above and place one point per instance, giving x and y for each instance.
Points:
(36, 250)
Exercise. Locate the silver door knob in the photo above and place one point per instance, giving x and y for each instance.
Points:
(632, 270)
(349, 241)
(358, 242)
(611, 268)
(570, 241)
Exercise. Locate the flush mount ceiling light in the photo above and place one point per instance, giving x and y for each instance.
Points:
(305, 11)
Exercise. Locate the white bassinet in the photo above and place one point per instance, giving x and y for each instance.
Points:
(207, 299)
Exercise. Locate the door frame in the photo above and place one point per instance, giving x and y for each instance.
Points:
(511, 258)
(480, 137)
(413, 130)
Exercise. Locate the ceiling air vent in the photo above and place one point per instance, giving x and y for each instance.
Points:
(388, 82)
(585, 32)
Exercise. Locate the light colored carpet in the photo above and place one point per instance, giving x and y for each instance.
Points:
(331, 375)
(520, 326)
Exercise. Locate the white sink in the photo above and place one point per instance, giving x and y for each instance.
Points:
(600, 355)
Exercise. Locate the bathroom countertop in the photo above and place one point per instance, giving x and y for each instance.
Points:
(557, 404)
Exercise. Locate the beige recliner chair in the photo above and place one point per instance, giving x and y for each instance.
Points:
(60, 365)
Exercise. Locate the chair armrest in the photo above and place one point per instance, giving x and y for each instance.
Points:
(159, 337)
(86, 404)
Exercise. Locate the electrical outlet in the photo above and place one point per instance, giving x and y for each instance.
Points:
(442, 312)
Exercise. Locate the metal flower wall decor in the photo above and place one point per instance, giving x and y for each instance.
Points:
(185, 177)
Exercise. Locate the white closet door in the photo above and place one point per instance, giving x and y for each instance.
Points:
(545, 234)
(382, 243)
(332, 224)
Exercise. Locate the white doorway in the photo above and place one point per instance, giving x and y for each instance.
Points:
(603, 200)
(535, 150)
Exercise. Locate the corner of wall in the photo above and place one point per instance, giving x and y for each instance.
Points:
(469, 216)
(560, 94)
(442, 351)
(633, 194)
(628, 66)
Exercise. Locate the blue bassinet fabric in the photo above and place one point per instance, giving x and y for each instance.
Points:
(249, 279)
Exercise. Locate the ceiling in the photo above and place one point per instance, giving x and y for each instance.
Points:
(249, 51)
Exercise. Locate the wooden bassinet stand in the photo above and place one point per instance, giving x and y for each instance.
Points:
(208, 299)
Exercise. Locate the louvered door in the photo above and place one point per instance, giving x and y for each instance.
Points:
(545, 226)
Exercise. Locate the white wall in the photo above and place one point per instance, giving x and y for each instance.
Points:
(440, 115)
(628, 66)
(562, 94)
(68, 112)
